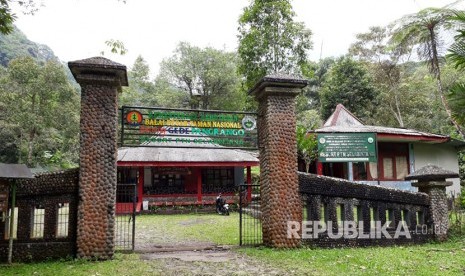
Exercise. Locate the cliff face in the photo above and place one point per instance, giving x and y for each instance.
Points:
(16, 45)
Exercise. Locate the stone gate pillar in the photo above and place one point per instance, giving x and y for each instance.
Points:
(280, 199)
(100, 81)
(431, 180)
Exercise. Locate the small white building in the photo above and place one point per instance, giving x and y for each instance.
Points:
(399, 152)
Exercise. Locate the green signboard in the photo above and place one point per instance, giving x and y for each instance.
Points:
(347, 147)
(187, 128)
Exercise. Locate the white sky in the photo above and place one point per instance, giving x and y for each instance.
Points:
(78, 29)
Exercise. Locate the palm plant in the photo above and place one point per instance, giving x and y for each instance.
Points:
(422, 31)
(456, 55)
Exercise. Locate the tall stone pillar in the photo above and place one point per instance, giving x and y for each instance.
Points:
(431, 180)
(101, 80)
(280, 199)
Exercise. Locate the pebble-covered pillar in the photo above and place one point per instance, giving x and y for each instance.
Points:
(101, 80)
(280, 199)
(431, 180)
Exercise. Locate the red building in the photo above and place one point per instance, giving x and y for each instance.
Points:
(184, 176)
(399, 152)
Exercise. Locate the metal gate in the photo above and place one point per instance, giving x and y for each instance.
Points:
(250, 226)
(125, 227)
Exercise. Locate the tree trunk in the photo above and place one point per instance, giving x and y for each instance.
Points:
(437, 72)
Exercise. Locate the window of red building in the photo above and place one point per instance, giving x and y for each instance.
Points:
(218, 180)
(393, 161)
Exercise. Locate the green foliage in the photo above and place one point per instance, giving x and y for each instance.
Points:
(270, 41)
(16, 44)
(6, 17)
(40, 113)
(422, 31)
(307, 146)
(207, 76)
(348, 83)
(116, 47)
(140, 88)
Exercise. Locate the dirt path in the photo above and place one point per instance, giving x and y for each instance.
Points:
(207, 262)
(170, 254)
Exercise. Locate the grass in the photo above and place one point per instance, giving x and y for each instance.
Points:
(430, 259)
(122, 264)
(200, 227)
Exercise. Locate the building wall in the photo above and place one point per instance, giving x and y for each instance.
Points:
(441, 155)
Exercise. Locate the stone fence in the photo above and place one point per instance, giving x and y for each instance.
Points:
(46, 218)
(370, 215)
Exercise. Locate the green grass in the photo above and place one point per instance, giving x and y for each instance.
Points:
(429, 259)
(122, 264)
(199, 227)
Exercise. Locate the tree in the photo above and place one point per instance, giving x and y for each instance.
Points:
(456, 56)
(348, 83)
(208, 76)
(383, 63)
(422, 31)
(270, 41)
(307, 146)
(140, 89)
(41, 109)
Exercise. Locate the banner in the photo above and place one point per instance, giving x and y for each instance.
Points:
(187, 128)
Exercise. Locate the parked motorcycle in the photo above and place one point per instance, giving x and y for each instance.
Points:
(222, 208)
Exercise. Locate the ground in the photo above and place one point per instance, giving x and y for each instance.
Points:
(195, 245)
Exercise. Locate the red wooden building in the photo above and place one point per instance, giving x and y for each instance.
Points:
(400, 151)
(184, 176)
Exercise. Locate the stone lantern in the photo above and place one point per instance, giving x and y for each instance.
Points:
(431, 179)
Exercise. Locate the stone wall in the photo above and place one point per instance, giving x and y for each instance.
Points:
(47, 191)
(336, 200)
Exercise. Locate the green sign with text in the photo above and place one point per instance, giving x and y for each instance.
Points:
(347, 147)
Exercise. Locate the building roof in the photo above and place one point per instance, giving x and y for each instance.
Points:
(343, 121)
(185, 155)
(15, 171)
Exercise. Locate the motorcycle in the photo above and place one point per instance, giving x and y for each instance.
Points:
(222, 208)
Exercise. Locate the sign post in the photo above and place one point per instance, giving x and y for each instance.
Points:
(347, 147)
(12, 222)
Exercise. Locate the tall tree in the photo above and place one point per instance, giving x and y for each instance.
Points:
(41, 108)
(422, 31)
(383, 63)
(208, 76)
(140, 89)
(348, 83)
(270, 41)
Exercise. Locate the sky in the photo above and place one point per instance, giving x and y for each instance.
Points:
(78, 29)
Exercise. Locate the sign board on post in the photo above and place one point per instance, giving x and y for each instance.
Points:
(187, 128)
(347, 147)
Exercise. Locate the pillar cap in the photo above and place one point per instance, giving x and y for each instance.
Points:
(278, 80)
(431, 173)
(99, 66)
